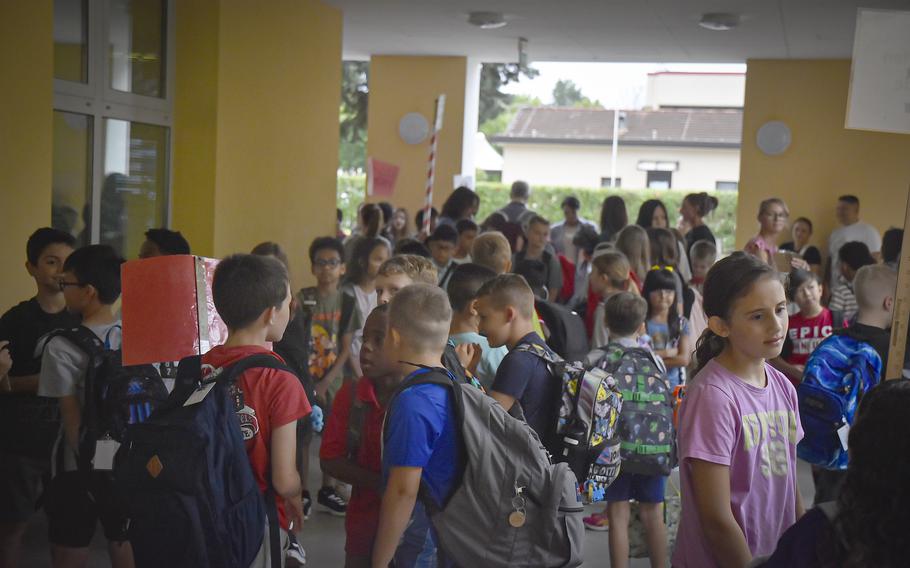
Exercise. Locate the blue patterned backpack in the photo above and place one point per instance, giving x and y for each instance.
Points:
(837, 374)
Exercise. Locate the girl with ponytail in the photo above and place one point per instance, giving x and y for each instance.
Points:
(739, 423)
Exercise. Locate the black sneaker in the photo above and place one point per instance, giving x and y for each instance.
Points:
(296, 555)
(307, 505)
(331, 502)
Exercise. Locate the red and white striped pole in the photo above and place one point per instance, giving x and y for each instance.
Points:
(431, 165)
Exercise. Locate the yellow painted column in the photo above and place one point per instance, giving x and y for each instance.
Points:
(824, 160)
(403, 84)
(256, 125)
(26, 126)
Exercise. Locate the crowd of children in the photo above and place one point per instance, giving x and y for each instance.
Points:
(393, 315)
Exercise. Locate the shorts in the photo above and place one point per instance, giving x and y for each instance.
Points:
(22, 480)
(360, 532)
(635, 487)
(75, 504)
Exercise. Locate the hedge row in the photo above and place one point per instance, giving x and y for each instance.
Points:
(546, 201)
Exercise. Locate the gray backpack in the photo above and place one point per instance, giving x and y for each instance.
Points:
(511, 506)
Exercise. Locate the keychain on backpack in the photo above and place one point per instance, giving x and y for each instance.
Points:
(518, 517)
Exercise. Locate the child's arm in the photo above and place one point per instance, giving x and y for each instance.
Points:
(285, 478)
(711, 483)
(351, 473)
(800, 508)
(71, 417)
(792, 372)
(504, 400)
(397, 506)
(681, 356)
(338, 367)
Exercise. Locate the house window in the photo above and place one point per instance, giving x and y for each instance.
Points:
(608, 182)
(660, 180)
(113, 102)
(726, 185)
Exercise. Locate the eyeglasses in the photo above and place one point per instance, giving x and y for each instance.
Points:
(776, 215)
(63, 285)
(322, 263)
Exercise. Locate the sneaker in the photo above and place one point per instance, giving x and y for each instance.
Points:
(596, 522)
(331, 502)
(307, 505)
(296, 555)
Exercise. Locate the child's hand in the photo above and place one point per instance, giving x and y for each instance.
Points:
(798, 263)
(6, 360)
(322, 386)
(469, 356)
(293, 508)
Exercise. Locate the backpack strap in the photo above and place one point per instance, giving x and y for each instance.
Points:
(541, 351)
(356, 419)
(348, 303)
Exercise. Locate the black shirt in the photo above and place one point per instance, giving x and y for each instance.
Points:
(23, 325)
(877, 337)
(700, 233)
(812, 254)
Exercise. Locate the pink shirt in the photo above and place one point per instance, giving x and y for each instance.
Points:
(762, 246)
(752, 430)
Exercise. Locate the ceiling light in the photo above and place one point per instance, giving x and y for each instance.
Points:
(487, 20)
(719, 21)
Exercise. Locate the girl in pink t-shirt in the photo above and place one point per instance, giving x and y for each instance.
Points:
(739, 424)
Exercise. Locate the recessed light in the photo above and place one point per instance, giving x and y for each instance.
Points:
(720, 21)
(487, 20)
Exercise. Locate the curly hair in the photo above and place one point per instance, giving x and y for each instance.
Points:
(874, 505)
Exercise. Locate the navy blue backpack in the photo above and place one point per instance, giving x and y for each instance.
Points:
(194, 501)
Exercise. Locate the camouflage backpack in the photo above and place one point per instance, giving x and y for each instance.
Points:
(648, 438)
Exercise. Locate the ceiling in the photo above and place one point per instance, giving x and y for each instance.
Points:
(664, 31)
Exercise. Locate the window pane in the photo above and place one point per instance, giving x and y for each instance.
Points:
(137, 36)
(71, 209)
(134, 193)
(71, 40)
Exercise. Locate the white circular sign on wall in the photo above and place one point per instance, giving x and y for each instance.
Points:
(413, 128)
(773, 138)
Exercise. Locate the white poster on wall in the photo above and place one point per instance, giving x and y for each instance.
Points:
(880, 77)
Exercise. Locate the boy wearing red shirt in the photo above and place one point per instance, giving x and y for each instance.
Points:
(352, 442)
(253, 295)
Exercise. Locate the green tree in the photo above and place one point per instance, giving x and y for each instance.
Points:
(355, 93)
(567, 94)
(493, 77)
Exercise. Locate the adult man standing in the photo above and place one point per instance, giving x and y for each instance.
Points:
(562, 233)
(518, 205)
(851, 229)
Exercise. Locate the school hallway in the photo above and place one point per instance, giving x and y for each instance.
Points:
(323, 534)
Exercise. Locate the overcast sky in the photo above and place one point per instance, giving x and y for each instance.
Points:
(615, 85)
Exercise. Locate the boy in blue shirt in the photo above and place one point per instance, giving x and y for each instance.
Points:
(466, 280)
(505, 306)
(421, 440)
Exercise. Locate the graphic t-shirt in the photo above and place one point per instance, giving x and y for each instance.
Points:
(271, 398)
(805, 334)
(325, 334)
(660, 339)
(753, 431)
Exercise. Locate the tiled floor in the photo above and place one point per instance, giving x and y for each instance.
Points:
(323, 539)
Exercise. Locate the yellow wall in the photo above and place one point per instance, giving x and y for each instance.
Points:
(256, 133)
(399, 85)
(26, 123)
(824, 159)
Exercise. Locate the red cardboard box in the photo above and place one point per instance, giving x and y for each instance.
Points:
(168, 310)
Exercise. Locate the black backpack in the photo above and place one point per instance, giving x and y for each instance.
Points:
(568, 335)
(116, 396)
(194, 501)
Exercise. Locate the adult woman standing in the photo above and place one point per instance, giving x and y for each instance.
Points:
(695, 207)
(801, 233)
(772, 218)
(463, 203)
